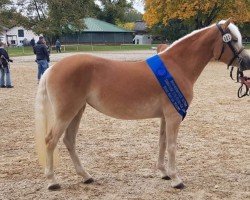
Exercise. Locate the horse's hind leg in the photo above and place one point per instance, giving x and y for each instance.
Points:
(51, 142)
(69, 141)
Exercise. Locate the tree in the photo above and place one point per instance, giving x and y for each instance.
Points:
(113, 10)
(9, 17)
(200, 12)
(130, 17)
(245, 30)
(174, 30)
(53, 17)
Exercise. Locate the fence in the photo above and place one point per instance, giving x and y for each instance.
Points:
(28, 50)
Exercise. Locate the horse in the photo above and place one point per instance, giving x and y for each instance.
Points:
(127, 90)
(161, 47)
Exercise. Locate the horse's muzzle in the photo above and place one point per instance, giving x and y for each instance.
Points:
(245, 62)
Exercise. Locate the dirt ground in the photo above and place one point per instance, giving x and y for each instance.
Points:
(212, 157)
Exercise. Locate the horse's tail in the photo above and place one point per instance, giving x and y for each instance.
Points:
(44, 118)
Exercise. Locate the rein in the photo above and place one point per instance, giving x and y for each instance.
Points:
(244, 80)
(245, 83)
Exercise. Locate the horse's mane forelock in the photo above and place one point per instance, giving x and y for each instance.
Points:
(233, 28)
(188, 35)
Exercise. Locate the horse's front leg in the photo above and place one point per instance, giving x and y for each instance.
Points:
(162, 150)
(172, 128)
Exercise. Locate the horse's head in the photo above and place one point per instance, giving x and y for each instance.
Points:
(230, 49)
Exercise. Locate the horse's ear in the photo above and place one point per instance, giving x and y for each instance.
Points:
(226, 24)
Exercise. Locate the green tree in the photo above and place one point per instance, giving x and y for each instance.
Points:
(174, 30)
(132, 15)
(53, 17)
(9, 17)
(113, 10)
(245, 30)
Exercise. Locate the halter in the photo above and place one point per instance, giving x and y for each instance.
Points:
(227, 39)
(245, 81)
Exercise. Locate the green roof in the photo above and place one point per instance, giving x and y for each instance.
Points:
(95, 25)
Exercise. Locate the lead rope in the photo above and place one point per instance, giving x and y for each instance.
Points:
(244, 84)
(244, 80)
(240, 78)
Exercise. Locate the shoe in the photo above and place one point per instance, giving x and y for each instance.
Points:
(3, 86)
(9, 86)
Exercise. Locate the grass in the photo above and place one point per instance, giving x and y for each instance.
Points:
(247, 46)
(22, 51)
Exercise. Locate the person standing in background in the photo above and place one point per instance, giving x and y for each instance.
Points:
(5, 80)
(42, 56)
(32, 42)
(58, 46)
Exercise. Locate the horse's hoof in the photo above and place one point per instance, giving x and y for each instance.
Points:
(54, 187)
(90, 180)
(180, 186)
(166, 178)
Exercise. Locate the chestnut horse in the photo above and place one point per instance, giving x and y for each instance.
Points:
(161, 47)
(126, 90)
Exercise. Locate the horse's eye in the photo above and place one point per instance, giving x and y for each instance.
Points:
(235, 40)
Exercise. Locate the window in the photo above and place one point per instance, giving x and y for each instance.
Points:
(20, 33)
(21, 41)
(13, 42)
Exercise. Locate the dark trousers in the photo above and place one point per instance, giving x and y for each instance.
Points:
(58, 49)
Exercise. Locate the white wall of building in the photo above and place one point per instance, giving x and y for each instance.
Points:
(16, 35)
(142, 39)
(3, 37)
(3, 34)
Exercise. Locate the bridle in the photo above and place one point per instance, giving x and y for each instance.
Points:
(227, 39)
(244, 80)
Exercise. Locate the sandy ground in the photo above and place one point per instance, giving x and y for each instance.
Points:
(212, 157)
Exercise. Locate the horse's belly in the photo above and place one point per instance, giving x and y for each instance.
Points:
(126, 107)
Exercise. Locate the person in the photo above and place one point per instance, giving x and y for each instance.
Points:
(58, 46)
(42, 56)
(5, 80)
(32, 42)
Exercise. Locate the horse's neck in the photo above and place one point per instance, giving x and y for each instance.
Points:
(193, 53)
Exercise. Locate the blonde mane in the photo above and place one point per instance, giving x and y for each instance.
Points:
(233, 28)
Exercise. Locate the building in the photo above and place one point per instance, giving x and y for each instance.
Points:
(98, 32)
(142, 39)
(140, 28)
(3, 34)
(141, 33)
(17, 36)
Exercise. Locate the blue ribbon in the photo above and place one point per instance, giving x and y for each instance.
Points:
(168, 84)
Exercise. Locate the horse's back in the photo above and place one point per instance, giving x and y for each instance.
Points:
(116, 88)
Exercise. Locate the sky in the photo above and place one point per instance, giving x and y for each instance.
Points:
(138, 5)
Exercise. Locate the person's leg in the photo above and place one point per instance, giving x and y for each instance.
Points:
(40, 69)
(45, 66)
(8, 79)
(2, 77)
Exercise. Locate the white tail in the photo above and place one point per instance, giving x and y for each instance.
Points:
(44, 118)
